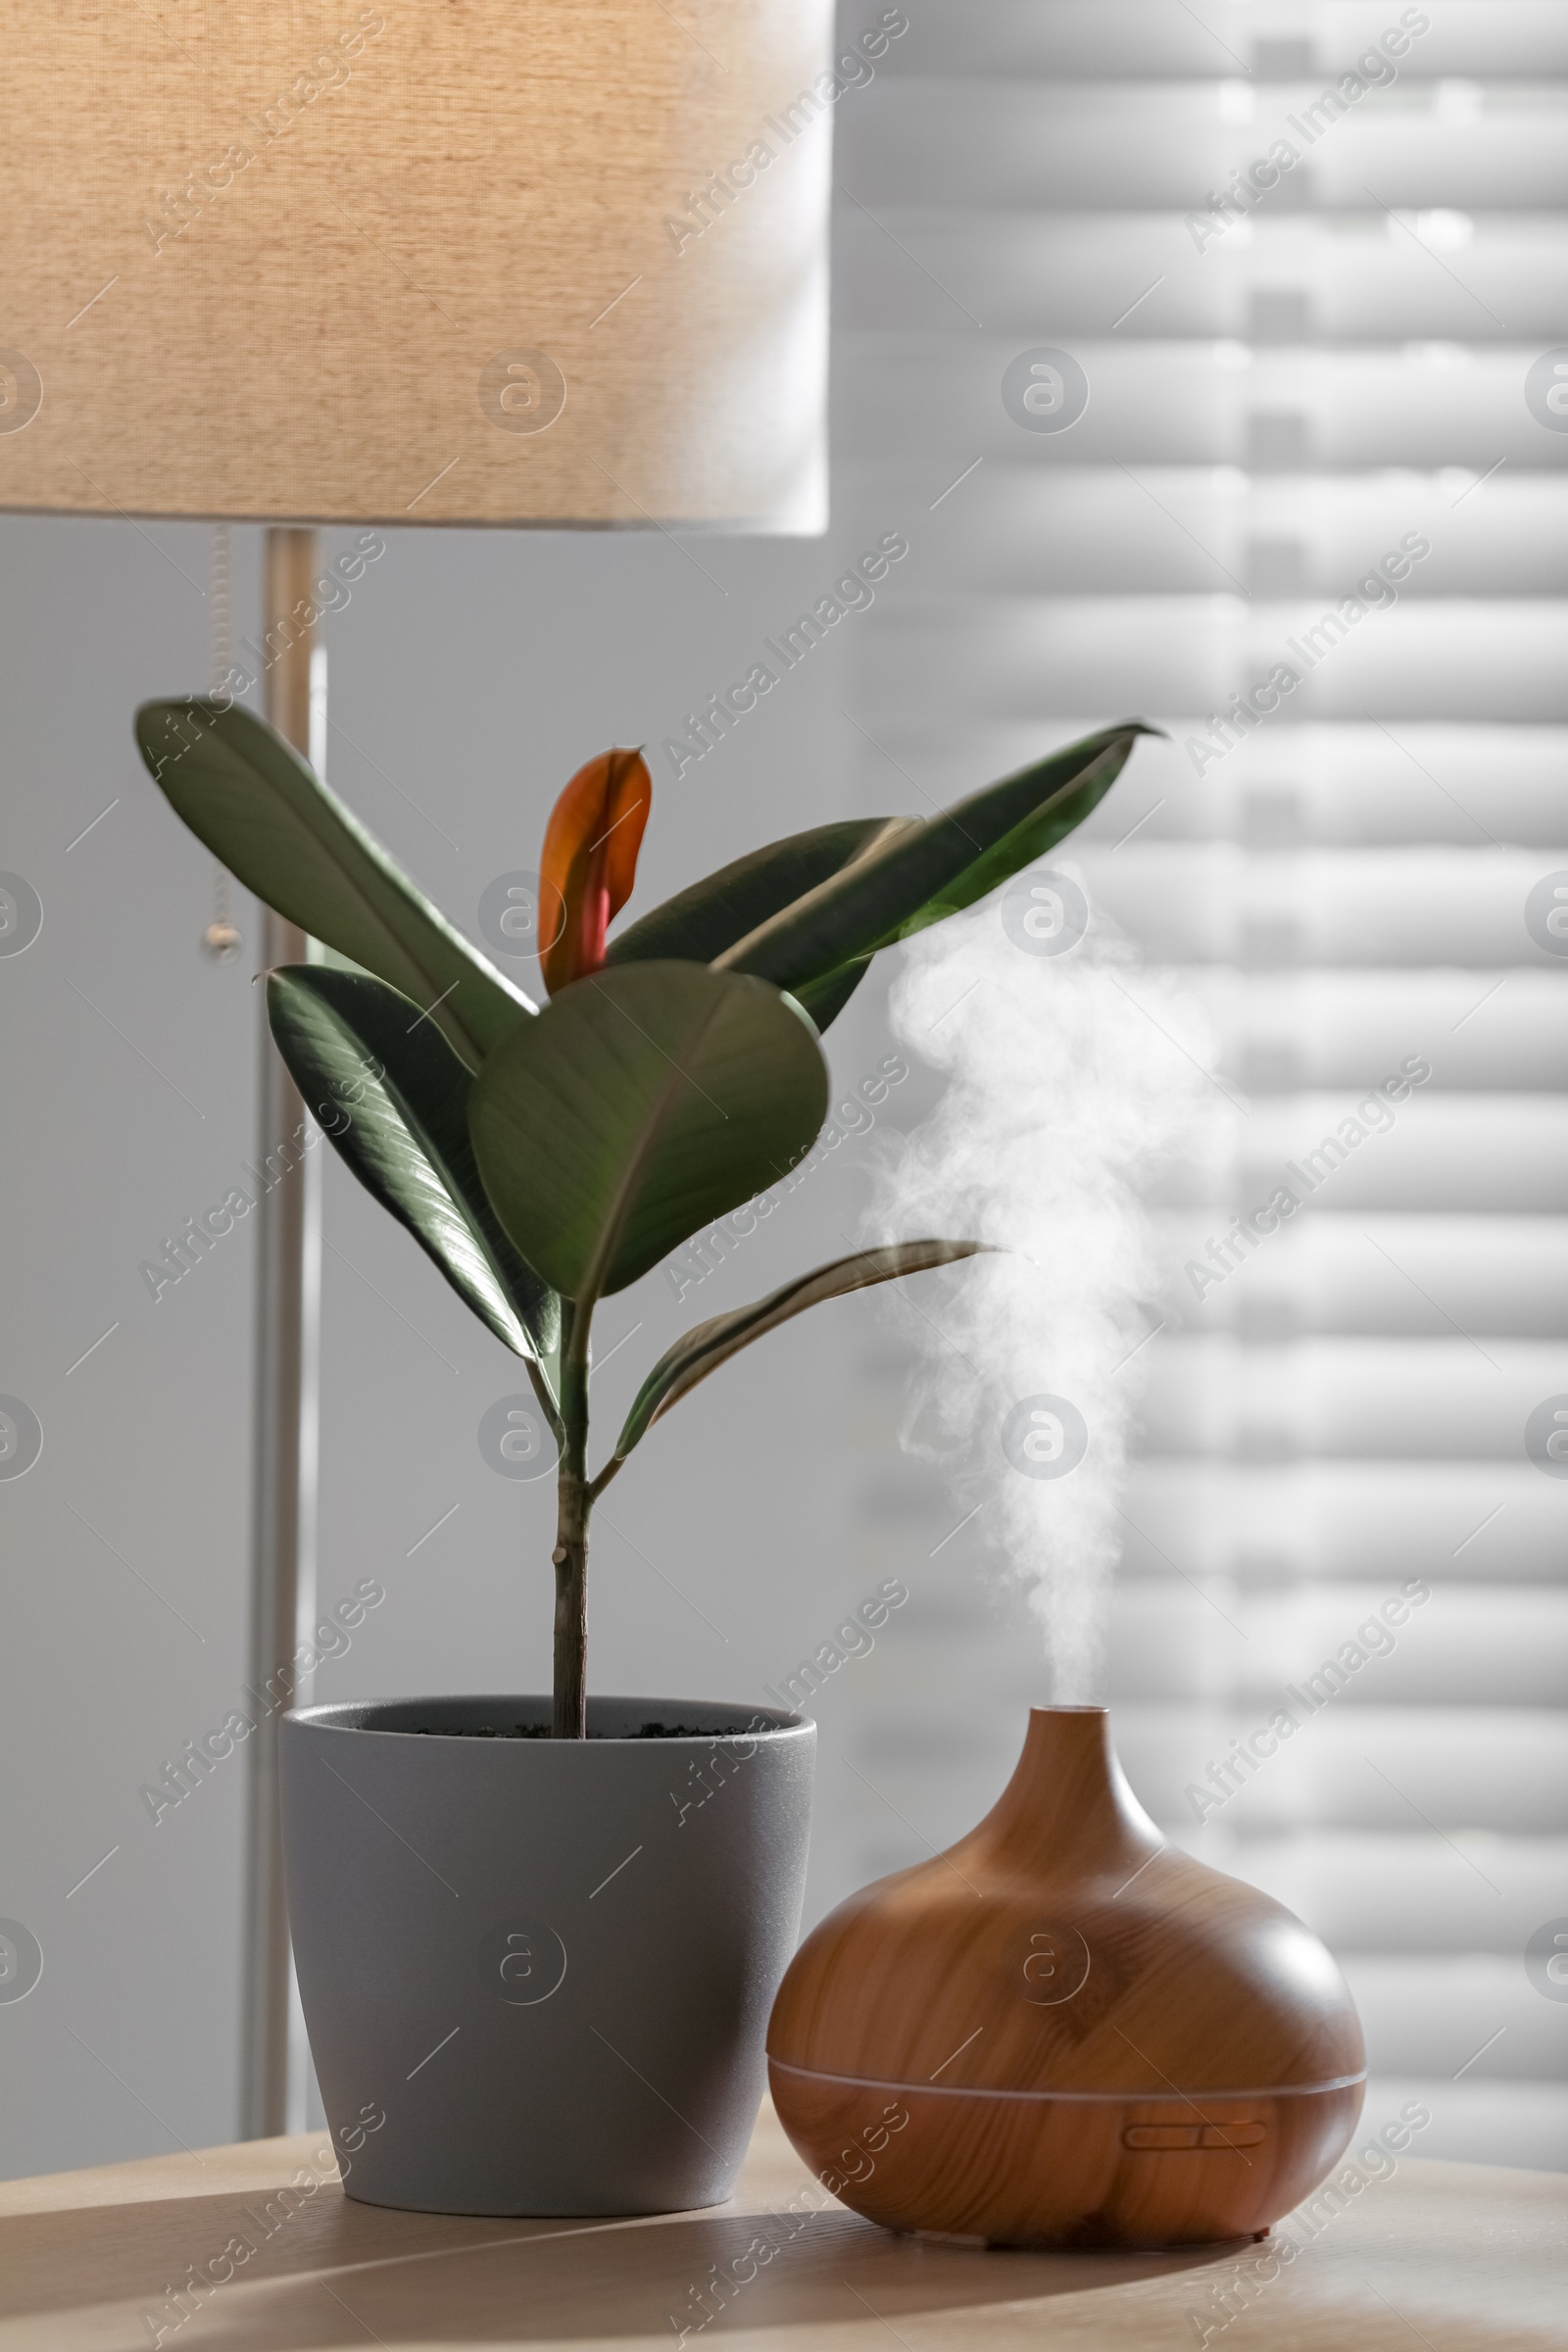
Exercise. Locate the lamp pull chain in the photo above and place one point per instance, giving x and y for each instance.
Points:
(220, 941)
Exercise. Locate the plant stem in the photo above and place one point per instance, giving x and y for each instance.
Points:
(569, 1719)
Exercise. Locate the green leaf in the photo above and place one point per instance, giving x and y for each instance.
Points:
(393, 1096)
(258, 807)
(698, 924)
(824, 999)
(919, 875)
(702, 921)
(707, 1346)
(640, 1106)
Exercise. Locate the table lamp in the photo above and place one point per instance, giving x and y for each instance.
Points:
(303, 262)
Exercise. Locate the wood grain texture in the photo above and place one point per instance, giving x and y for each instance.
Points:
(1093, 2038)
(278, 259)
(1468, 2257)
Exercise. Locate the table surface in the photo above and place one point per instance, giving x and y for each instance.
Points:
(1458, 2257)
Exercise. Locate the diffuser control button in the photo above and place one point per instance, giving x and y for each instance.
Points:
(1184, 2138)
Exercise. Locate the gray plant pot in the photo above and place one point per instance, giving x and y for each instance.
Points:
(537, 1972)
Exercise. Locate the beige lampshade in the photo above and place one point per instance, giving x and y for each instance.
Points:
(428, 261)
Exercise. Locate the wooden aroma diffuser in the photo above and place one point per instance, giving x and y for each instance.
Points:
(1063, 2031)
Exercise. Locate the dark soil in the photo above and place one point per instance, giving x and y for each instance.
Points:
(541, 1731)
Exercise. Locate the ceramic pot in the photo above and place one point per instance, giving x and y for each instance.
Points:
(1065, 2032)
(536, 1973)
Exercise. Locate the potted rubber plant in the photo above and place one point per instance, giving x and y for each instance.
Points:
(537, 1937)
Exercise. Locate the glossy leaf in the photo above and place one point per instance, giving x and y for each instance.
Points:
(262, 811)
(642, 1104)
(698, 924)
(707, 1346)
(824, 999)
(393, 1098)
(589, 861)
(916, 876)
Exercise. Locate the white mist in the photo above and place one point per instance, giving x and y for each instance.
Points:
(1074, 1076)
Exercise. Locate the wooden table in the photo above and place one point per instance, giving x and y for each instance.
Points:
(1458, 2257)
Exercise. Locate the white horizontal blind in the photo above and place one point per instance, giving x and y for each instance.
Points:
(1273, 409)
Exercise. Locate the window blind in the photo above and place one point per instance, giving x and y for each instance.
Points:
(1317, 393)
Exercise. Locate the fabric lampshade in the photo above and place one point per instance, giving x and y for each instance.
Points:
(551, 262)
